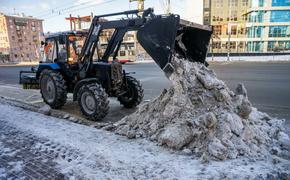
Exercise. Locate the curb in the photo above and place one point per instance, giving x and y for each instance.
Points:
(54, 113)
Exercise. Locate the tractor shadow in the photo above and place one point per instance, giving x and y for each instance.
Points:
(116, 111)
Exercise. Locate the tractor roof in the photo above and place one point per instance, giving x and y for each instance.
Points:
(66, 33)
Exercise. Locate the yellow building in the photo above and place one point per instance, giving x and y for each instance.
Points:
(228, 18)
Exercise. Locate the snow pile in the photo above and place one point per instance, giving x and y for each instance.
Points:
(199, 114)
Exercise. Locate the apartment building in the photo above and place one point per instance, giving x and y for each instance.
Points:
(268, 27)
(19, 38)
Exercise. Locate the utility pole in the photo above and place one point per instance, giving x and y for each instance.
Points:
(166, 5)
(229, 32)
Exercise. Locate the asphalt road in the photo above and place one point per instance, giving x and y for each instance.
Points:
(268, 84)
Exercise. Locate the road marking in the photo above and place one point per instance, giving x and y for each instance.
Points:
(273, 106)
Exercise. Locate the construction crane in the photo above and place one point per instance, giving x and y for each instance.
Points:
(140, 4)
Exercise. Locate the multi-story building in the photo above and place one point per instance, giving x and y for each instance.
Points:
(19, 38)
(228, 19)
(250, 26)
(268, 27)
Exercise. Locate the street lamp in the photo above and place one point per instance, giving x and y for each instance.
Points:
(229, 40)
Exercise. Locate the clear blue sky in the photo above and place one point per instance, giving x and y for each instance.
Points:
(54, 11)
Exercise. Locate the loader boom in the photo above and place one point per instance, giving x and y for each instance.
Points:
(162, 36)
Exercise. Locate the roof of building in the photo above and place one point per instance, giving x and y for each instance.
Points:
(23, 16)
(79, 32)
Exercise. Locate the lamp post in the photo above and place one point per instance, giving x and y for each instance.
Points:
(229, 40)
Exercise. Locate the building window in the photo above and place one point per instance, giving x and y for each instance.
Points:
(278, 46)
(280, 3)
(256, 16)
(255, 31)
(233, 30)
(234, 15)
(279, 31)
(122, 53)
(257, 3)
(217, 30)
(233, 3)
(218, 3)
(206, 3)
(256, 46)
(233, 45)
(245, 2)
(280, 16)
(206, 17)
(216, 45)
(34, 38)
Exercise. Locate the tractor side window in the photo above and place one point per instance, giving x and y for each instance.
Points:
(72, 51)
(50, 51)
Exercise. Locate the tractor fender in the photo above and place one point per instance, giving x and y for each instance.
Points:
(80, 84)
(43, 66)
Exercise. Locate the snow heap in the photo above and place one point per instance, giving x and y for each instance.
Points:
(199, 114)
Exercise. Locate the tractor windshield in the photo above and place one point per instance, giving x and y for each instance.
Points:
(75, 46)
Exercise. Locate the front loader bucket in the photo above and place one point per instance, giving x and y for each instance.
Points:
(163, 37)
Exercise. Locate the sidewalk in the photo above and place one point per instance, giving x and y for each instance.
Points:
(35, 63)
(35, 146)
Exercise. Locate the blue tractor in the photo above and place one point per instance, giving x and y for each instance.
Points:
(75, 62)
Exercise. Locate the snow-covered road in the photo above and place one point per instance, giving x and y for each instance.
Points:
(68, 150)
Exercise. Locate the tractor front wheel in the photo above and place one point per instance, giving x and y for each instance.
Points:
(93, 101)
(134, 93)
(53, 88)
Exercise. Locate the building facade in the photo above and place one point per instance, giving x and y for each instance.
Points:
(228, 19)
(19, 38)
(248, 26)
(268, 27)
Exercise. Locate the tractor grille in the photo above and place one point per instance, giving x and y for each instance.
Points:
(116, 73)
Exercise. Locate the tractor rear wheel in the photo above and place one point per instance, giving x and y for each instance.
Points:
(53, 88)
(134, 93)
(93, 101)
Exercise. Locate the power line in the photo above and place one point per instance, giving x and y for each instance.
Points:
(64, 8)
(42, 13)
(72, 8)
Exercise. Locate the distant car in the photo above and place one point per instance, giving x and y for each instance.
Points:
(122, 61)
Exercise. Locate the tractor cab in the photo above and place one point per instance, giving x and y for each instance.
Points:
(63, 47)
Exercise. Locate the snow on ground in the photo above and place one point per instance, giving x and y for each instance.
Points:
(101, 154)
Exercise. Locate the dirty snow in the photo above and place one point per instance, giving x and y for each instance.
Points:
(201, 115)
(101, 154)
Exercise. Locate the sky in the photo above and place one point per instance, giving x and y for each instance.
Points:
(53, 12)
